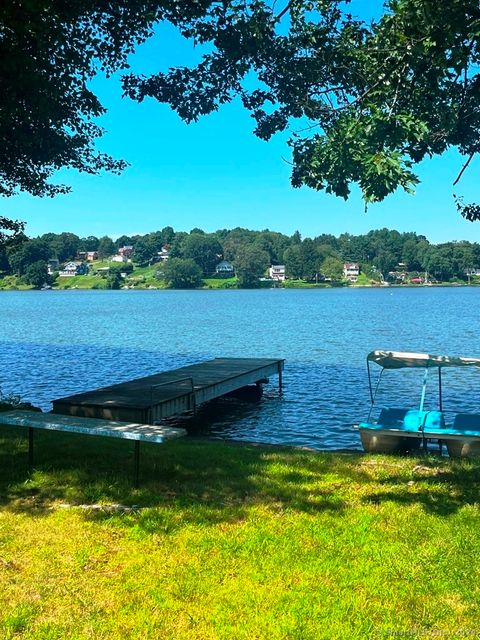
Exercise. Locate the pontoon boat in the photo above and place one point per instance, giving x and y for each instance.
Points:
(398, 430)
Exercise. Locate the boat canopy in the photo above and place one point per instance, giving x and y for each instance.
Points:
(404, 359)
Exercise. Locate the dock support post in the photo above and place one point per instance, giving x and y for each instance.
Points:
(30, 447)
(280, 379)
(136, 463)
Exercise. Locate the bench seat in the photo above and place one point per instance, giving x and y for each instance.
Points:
(91, 427)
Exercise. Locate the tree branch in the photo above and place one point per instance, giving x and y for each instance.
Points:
(464, 167)
(284, 11)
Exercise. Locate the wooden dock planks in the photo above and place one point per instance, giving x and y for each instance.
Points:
(149, 399)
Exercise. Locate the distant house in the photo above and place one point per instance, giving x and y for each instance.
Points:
(351, 271)
(119, 258)
(125, 251)
(74, 268)
(398, 276)
(52, 265)
(163, 254)
(224, 268)
(277, 272)
(92, 256)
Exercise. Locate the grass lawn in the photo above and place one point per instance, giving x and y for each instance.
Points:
(302, 284)
(13, 283)
(238, 542)
(220, 283)
(81, 282)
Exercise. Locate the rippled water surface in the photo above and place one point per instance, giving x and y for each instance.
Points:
(56, 343)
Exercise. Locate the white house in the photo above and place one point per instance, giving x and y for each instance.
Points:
(164, 254)
(74, 268)
(224, 268)
(351, 271)
(277, 272)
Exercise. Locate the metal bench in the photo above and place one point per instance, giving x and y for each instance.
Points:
(91, 427)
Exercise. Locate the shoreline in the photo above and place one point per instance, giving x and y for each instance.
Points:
(438, 285)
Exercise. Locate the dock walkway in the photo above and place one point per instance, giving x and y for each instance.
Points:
(148, 400)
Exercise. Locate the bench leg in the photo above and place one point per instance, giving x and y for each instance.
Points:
(30, 447)
(136, 463)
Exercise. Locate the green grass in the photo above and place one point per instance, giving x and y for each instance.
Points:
(13, 283)
(363, 280)
(220, 283)
(145, 277)
(81, 282)
(234, 542)
(302, 284)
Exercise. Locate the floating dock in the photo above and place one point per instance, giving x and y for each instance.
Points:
(148, 400)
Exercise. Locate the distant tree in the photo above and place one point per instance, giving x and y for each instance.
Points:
(235, 240)
(114, 279)
(28, 253)
(250, 265)
(106, 248)
(423, 249)
(10, 231)
(90, 243)
(310, 259)
(36, 274)
(328, 240)
(332, 268)
(63, 246)
(168, 234)
(294, 261)
(197, 230)
(296, 238)
(325, 250)
(410, 255)
(178, 242)
(182, 273)
(123, 241)
(385, 261)
(4, 264)
(439, 264)
(462, 257)
(204, 249)
(273, 243)
(145, 251)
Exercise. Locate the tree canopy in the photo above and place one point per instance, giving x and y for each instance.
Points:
(364, 101)
(383, 254)
(49, 51)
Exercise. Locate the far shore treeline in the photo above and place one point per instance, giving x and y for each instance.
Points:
(177, 259)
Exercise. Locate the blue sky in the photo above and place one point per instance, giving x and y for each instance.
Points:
(215, 174)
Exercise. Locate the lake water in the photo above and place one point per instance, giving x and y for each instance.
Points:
(56, 343)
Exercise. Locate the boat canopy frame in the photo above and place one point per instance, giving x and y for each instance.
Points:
(411, 360)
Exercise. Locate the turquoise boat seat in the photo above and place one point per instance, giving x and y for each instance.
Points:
(416, 420)
(412, 419)
(392, 417)
(467, 421)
